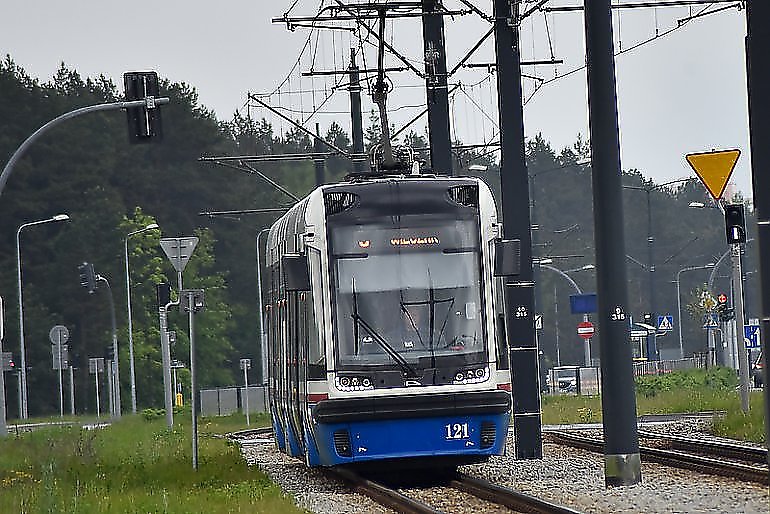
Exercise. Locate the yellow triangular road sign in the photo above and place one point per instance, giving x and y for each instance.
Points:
(714, 169)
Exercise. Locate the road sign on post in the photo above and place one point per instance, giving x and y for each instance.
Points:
(179, 250)
(665, 323)
(714, 169)
(751, 336)
(585, 329)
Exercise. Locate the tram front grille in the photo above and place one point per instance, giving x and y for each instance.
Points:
(488, 434)
(342, 443)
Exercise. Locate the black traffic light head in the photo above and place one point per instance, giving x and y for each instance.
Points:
(144, 122)
(735, 223)
(163, 293)
(87, 276)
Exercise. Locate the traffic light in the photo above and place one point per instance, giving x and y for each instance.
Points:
(109, 353)
(87, 276)
(163, 294)
(144, 122)
(724, 311)
(735, 223)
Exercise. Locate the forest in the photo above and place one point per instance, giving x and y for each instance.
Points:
(87, 169)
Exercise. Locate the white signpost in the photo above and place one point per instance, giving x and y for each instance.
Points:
(58, 336)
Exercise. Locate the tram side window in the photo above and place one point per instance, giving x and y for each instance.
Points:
(316, 353)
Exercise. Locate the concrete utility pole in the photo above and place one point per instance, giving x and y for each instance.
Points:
(3, 427)
(436, 87)
(519, 290)
(622, 463)
(318, 163)
(743, 358)
(757, 42)
(357, 125)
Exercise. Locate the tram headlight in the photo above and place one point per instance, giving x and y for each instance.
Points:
(472, 375)
(354, 383)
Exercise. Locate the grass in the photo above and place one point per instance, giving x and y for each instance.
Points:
(136, 465)
(685, 391)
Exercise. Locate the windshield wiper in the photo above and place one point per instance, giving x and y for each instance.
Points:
(392, 352)
(397, 357)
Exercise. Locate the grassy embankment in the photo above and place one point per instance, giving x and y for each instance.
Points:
(683, 391)
(136, 465)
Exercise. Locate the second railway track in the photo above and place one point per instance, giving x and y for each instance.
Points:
(689, 455)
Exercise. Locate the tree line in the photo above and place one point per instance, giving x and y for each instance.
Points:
(87, 169)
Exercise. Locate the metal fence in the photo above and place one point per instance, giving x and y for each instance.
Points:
(662, 367)
(228, 400)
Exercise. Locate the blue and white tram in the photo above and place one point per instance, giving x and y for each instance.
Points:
(385, 326)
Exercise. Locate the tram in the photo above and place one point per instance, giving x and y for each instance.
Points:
(385, 324)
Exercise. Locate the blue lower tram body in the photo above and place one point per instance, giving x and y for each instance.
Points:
(460, 438)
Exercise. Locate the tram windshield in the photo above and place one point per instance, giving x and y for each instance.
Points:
(408, 297)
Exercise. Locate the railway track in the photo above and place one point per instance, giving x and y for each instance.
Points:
(688, 456)
(725, 449)
(481, 489)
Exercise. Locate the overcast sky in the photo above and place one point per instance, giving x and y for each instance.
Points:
(682, 93)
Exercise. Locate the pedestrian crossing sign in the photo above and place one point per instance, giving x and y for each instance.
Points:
(710, 321)
(665, 323)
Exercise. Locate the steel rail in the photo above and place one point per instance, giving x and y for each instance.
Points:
(383, 495)
(717, 448)
(515, 500)
(673, 458)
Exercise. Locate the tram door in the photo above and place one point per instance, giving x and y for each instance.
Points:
(293, 358)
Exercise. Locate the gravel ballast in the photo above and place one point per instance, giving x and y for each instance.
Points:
(567, 476)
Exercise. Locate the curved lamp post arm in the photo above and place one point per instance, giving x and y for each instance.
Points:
(64, 117)
(560, 272)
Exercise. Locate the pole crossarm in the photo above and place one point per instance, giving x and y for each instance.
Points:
(268, 210)
(253, 171)
(17, 155)
(642, 5)
(300, 127)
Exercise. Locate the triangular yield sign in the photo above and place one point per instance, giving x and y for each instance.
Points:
(714, 169)
(179, 250)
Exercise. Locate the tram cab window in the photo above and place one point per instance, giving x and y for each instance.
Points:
(412, 291)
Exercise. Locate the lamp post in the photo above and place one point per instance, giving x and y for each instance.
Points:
(262, 335)
(679, 301)
(132, 374)
(544, 263)
(650, 238)
(115, 365)
(24, 413)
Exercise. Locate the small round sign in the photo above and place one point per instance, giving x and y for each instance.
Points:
(59, 334)
(585, 329)
(722, 298)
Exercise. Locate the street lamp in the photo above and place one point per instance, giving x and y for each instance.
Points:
(650, 238)
(679, 301)
(151, 226)
(543, 263)
(262, 334)
(23, 406)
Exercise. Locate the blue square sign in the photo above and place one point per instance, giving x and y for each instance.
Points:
(665, 323)
(751, 336)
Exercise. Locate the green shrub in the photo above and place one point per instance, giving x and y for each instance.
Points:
(712, 379)
(153, 414)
